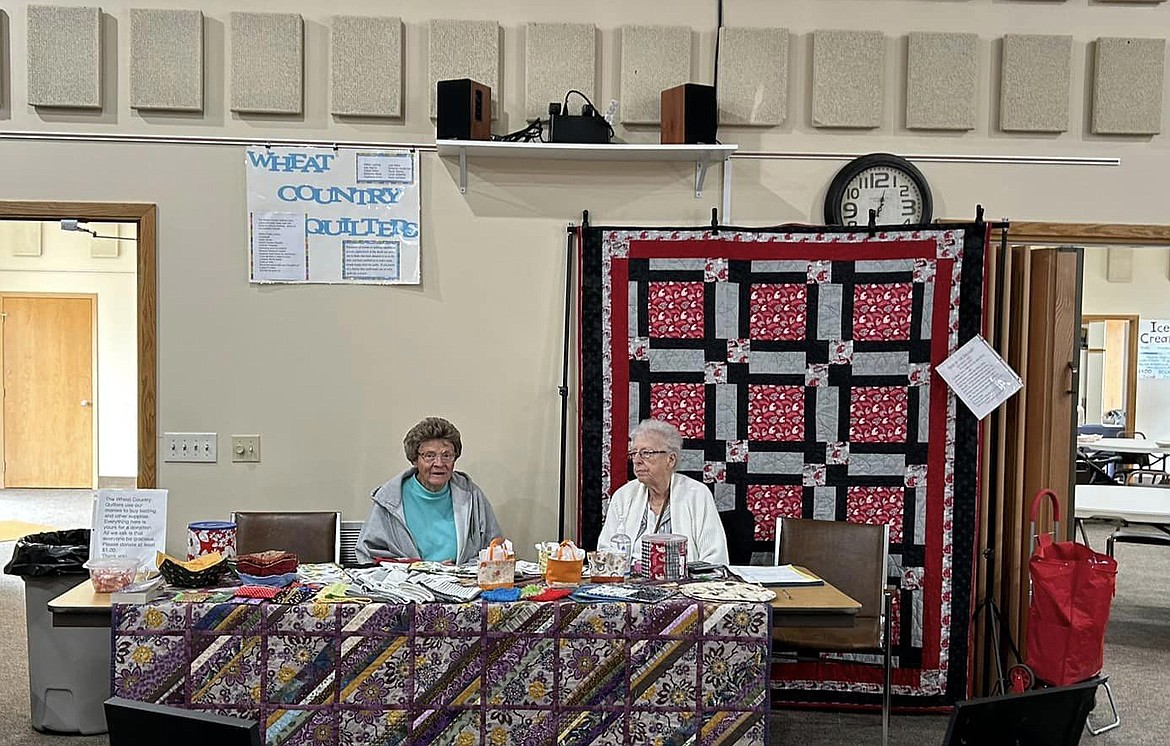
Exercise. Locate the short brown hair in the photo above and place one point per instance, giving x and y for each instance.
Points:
(431, 428)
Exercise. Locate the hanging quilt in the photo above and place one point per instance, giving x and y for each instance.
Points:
(798, 365)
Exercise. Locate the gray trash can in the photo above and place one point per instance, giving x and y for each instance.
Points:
(68, 667)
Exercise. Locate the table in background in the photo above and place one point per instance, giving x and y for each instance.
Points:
(1129, 503)
(523, 672)
(1142, 446)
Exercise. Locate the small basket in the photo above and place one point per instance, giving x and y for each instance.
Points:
(567, 571)
(181, 577)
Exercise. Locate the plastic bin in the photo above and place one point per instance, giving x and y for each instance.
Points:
(68, 667)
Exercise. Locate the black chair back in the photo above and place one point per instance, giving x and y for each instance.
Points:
(740, 527)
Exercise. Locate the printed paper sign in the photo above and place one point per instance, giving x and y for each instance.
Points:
(129, 523)
(318, 215)
(979, 377)
(1154, 348)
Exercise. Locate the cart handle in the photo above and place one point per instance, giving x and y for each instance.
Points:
(1055, 501)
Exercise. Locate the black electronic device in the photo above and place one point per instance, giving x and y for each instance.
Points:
(1041, 717)
(463, 110)
(133, 723)
(888, 184)
(690, 115)
(582, 128)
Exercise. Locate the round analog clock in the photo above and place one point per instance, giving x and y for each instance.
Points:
(883, 182)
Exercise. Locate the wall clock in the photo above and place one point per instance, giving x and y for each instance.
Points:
(884, 182)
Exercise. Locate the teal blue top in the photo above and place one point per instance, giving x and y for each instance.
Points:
(430, 520)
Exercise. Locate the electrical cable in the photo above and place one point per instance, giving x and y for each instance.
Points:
(718, 35)
(534, 132)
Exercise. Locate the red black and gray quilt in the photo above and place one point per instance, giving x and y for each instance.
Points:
(798, 364)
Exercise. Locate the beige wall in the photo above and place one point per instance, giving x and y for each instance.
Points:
(331, 377)
(1147, 295)
(65, 266)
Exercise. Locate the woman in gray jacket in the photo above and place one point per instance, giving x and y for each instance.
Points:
(430, 511)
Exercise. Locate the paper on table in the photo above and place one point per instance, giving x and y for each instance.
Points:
(979, 377)
(775, 575)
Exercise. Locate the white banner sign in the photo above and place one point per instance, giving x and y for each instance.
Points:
(332, 216)
(1154, 348)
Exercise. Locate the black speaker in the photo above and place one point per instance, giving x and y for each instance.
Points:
(690, 115)
(463, 110)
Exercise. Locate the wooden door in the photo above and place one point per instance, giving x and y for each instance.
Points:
(1033, 321)
(48, 391)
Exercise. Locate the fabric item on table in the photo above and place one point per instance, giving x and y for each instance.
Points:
(257, 591)
(294, 594)
(799, 366)
(550, 594)
(338, 593)
(270, 562)
(530, 590)
(321, 572)
(275, 581)
(528, 673)
(501, 594)
(726, 590)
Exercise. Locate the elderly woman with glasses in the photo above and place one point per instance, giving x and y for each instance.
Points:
(661, 501)
(430, 511)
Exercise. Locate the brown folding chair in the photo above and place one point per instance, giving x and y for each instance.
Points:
(313, 536)
(853, 557)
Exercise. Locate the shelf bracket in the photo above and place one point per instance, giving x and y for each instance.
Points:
(700, 174)
(463, 170)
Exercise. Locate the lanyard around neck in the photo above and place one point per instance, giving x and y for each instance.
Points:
(661, 513)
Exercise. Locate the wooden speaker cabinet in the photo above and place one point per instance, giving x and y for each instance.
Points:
(463, 110)
(690, 115)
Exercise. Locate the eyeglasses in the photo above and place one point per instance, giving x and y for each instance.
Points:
(645, 454)
(431, 457)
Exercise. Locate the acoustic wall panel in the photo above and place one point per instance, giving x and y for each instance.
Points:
(65, 56)
(166, 60)
(366, 66)
(465, 49)
(1034, 83)
(654, 58)
(558, 57)
(753, 76)
(848, 78)
(268, 63)
(1127, 86)
(942, 81)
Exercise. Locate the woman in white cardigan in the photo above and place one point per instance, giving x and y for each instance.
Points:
(659, 501)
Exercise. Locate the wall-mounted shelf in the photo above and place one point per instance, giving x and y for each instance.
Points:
(701, 155)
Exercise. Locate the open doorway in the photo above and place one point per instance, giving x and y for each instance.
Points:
(78, 410)
(1108, 395)
(67, 353)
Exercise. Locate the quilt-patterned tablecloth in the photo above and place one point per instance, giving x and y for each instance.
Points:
(516, 673)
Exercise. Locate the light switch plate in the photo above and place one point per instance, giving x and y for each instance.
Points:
(190, 447)
(246, 448)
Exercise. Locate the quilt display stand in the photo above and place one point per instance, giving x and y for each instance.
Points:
(799, 365)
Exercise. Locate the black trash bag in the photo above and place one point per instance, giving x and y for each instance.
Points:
(50, 553)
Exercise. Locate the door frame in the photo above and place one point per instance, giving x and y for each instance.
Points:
(1131, 346)
(93, 374)
(145, 216)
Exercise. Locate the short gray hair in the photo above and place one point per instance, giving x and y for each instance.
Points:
(431, 428)
(664, 431)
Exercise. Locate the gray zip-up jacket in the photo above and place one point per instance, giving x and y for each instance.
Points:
(386, 535)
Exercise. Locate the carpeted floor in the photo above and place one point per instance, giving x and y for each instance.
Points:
(1137, 650)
